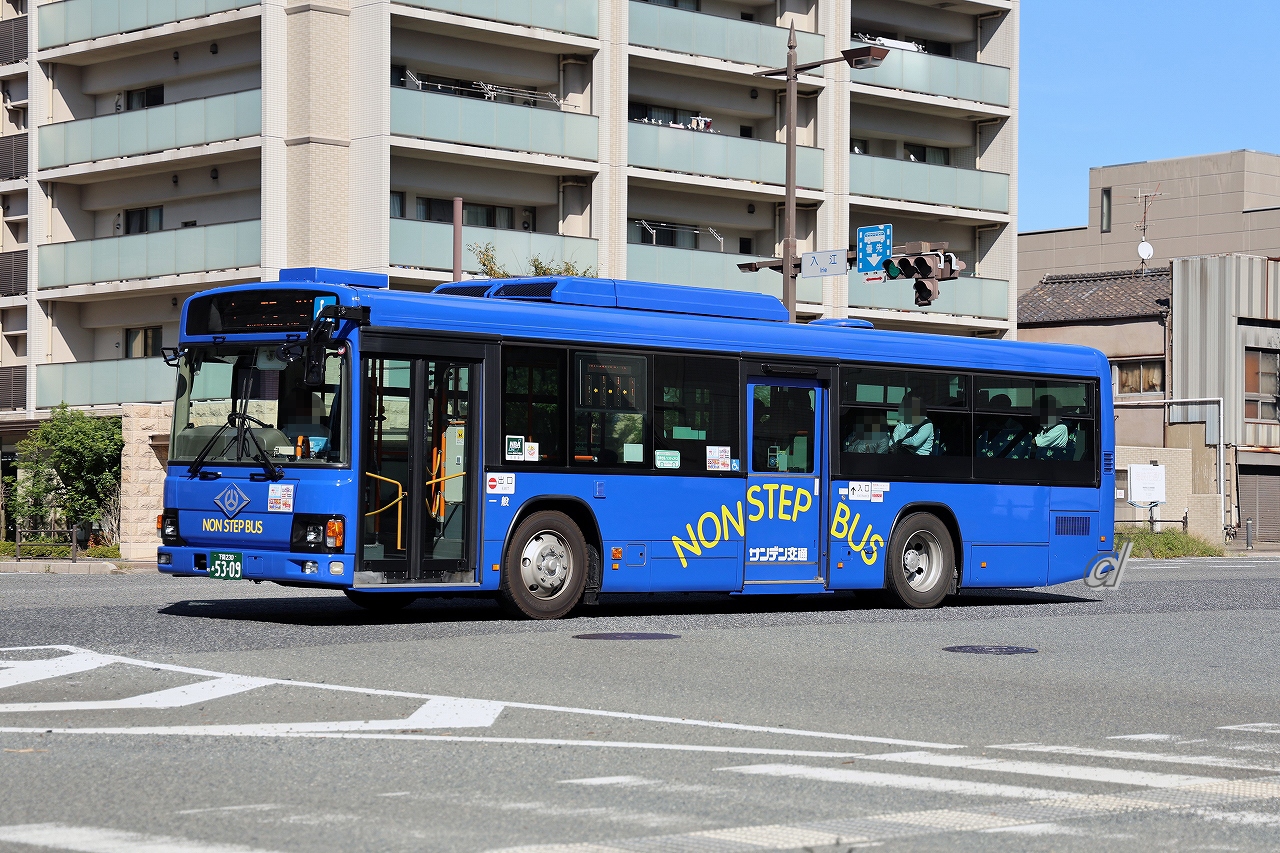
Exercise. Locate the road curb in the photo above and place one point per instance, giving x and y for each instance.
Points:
(80, 567)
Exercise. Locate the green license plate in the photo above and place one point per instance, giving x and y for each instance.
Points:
(226, 565)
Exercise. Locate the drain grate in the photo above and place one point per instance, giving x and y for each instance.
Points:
(626, 635)
(992, 650)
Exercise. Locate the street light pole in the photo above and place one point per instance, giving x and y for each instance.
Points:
(789, 214)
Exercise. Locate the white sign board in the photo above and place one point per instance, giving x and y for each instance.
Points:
(819, 264)
(1146, 484)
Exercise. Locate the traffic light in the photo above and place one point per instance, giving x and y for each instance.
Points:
(927, 264)
(951, 267)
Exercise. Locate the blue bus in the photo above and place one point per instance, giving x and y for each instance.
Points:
(549, 440)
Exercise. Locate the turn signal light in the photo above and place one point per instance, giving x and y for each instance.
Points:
(333, 533)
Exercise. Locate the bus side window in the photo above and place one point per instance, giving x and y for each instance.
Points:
(610, 410)
(695, 413)
(533, 405)
(1034, 430)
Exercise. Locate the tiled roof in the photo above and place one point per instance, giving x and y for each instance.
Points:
(1096, 296)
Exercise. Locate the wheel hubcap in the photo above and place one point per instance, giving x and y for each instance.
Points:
(922, 561)
(545, 564)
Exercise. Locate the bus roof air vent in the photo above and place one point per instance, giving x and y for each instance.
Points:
(634, 295)
(843, 322)
(320, 275)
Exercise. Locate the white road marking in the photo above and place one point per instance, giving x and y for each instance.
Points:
(1034, 768)
(620, 781)
(174, 697)
(255, 807)
(15, 672)
(91, 839)
(1239, 818)
(1264, 728)
(1133, 755)
(895, 780)
(1151, 736)
(1037, 829)
(396, 794)
(1033, 816)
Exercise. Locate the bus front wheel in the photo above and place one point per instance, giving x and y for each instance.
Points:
(546, 567)
(921, 560)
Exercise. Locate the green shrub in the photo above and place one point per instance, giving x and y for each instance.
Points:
(1166, 543)
(37, 549)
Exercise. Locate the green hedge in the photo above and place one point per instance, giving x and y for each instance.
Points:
(37, 549)
(1166, 543)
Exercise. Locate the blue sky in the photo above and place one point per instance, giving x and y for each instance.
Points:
(1115, 81)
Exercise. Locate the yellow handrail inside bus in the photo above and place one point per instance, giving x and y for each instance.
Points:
(400, 496)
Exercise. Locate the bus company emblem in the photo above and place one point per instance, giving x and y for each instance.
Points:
(231, 501)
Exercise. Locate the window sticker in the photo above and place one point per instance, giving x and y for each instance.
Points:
(500, 484)
(877, 492)
(718, 457)
(531, 451)
(666, 458)
(515, 448)
(632, 452)
(280, 497)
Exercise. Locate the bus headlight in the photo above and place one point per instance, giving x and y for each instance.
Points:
(318, 533)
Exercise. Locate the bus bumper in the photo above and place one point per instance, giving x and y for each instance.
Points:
(333, 570)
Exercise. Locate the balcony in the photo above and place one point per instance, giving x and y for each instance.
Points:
(577, 17)
(129, 134)
(698, 34)
(692, 152)
(13, 273)
(75, 20)
(105, 383)
(13, 156)
(429, 245)
(490, 124)
(938, 75)
(987, 298)
(231, 245)
(904, 180)
(13, 387)
(13, 40)
(693, 268)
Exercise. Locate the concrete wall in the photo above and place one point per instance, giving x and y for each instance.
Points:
(142, 468)
(1203, 511)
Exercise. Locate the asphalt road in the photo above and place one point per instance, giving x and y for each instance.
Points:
(146, 713)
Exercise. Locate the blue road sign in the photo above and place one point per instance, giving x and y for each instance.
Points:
(875, 244)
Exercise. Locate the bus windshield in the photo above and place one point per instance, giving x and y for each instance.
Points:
(292, 421)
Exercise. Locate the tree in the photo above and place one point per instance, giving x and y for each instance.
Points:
(487, 258)
(70, 467)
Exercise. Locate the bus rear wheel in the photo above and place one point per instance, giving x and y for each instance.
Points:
(380, 602)
(546, 567)
(921, 560)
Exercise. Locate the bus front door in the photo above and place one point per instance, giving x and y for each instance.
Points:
(417, 444)
(784, 481)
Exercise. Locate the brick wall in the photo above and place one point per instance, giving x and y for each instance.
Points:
(142, 469)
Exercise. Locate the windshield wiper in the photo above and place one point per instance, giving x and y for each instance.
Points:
(241, 422)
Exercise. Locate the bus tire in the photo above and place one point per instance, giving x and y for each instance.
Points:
(380, 602)
(545, 571)
(921, 560)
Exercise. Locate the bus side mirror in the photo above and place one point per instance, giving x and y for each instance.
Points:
(322, 331)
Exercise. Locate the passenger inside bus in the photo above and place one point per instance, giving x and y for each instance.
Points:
(914, 434)
(1053, 439)
(1004, 437)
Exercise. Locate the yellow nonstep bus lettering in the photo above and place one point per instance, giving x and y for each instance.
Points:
(709, 535)
(843, 528)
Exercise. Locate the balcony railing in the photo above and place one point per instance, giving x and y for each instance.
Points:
(429, 245)
(104, 383)
(693, 268)
(231, 245)
(673, 149)
(75, 20)
(13, 387)
(578, 17)
(987, 298)
(13, 273)
(903, 180)
(699, 34)
(13, 40)
(129, 134)
(490, 124)
(13, 157)
(938, 75)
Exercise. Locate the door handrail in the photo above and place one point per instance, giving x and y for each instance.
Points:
(402, 494)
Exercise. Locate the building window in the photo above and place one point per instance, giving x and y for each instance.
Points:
(143, 220)
(747, 16)
(659, 115)
(746, 131)
(745, 246)
(142, 343)
(662, 234)
(397, 205)
(1106, 210)
(691, 5)
(1261, 384)
(141, 99)
(1138, 377)
(858, 146)
(927, 154)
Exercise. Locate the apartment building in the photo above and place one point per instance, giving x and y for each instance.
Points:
(179, 144)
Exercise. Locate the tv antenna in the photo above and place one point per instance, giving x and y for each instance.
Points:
(1145, 250)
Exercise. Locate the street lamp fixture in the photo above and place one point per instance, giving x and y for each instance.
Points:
(859, 58)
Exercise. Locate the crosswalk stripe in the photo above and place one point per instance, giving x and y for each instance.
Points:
(1134, 755)
(13, 673)
(895, 780)
(1264, 728)
(1035, 768)
(92, 839)
(173, 697)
